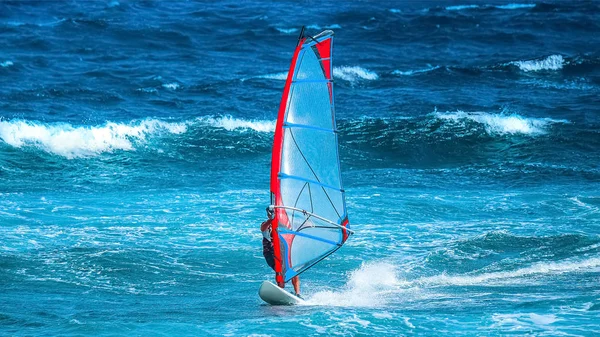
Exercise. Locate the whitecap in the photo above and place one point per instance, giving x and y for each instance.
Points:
(83, 141)
(286, 30)
(277, 76)
(413, 72)
(552, 62)
(515, 6)
(172, 86)
(502, 123)
(230, 123)
(461, 7)
(6, 64)
(353, 73)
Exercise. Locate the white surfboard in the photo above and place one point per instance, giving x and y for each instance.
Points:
(274, 295)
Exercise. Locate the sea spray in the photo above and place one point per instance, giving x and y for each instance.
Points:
(367, 286)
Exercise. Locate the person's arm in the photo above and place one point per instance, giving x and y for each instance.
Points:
(265, 225)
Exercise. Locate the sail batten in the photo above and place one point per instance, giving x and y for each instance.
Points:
(306, 188)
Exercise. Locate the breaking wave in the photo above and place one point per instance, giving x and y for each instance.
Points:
(83, 141)
(172, 86)
(351, 74)
(230, 123)
(552, 62)
(71, 141)
(377, 134)
(501, 123)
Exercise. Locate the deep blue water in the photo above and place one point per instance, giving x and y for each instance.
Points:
(135, 151)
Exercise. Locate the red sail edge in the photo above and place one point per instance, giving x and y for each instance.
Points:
(275, 168)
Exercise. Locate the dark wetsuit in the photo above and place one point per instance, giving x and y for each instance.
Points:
(268, 251)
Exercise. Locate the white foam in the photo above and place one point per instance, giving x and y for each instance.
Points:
(286, 30)
(230, 123)
(502, 123)
(83, 141)
(552, 62)
(515, 6)
(147, 90)
(382, 315)
(396, 11)
(524, 321)
(278, 76)
(542, 319)
(333, 26)
(6, 64)
(363, 288)
(172, 86)
(413, 72)
(461, 7)
(540, 268)
(575, 84)
(353, 73)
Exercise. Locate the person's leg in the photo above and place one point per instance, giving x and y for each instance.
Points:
(296, 284)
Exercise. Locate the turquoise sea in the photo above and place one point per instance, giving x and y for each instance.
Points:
(135, 141)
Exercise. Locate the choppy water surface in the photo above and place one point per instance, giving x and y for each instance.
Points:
(135, 151)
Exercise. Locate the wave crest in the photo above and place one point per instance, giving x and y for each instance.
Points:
(552, 62)
(502, 124)
(83, 141)
(230, 123)
(351, 74)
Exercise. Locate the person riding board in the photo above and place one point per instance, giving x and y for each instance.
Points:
(269, 252)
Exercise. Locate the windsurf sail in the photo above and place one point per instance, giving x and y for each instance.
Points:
(310, 221)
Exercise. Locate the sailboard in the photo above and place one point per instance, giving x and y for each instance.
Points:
(275, 295)
(310, 218)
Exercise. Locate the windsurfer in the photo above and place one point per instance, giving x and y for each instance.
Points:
(269, 252)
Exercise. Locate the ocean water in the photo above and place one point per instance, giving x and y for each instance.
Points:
(135, 152)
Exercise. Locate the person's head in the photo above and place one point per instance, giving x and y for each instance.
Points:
(270, 211)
